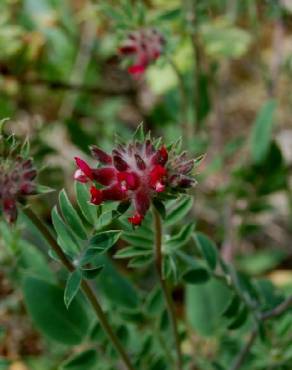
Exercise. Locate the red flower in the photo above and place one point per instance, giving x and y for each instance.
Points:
(137, 172)
(17, 176)
(144, 47)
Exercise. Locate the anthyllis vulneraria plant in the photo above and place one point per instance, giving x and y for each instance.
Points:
(142, 47)
(17, 175)
(138, 173)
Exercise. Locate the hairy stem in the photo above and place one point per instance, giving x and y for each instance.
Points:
(164, 287)
(275, 312)
(87, 289)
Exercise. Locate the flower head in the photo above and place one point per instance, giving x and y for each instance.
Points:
(137, 172)
(144, 47)
(17, 179)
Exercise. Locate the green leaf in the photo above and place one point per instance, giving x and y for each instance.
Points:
(180, 209)
(141, 261)
(196, 276)
(180, 239)
(88, 210)
(261, 133)
(65, 237)
(32, 260)
(169, 15)
(155, 302)
(232, 307)
(129, 252)
(46, 306)
(84, 360)
(72, 286)
(91, 273)
(240, 319)
(207, 249)
(42, 189)
(71, 216)
(115, 286)
(105, 240)
(204, 304)
(137, 240)
(100, 243)
(104, 220)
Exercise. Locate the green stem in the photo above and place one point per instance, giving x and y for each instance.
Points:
(164, 287)
(87, 289)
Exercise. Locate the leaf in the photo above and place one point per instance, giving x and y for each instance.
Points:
(129, 252)
(65, 237)
(232, 307)
(71, 216)
(100, 243)
(72, 286)
(105, 240)
(42, 189)
(83, 360)
(155, 302)
(140, 261)
(116, 287)
(88, 210)
(207, 249)
(104, 220)
(196, 276)
(180, 239)
(45, 304)
(32, 260)
(240, 319)
(91, 273)
(261, 133)
(123, 207)
(204, 304)
(169, 15)
(137, 240)
(179, 211)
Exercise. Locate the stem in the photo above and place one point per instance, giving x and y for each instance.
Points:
(278, 310)
(245, 350)
(164, 287)
(275, 312)
(87, 289)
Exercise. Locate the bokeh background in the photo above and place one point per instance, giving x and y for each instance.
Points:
(223, 83)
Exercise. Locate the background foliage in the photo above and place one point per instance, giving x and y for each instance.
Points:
(224, 85)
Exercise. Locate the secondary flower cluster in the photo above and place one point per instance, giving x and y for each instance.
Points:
(17, 176)
(144, 46)
(136, 172)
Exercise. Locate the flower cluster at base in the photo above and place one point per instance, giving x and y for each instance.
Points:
(17, 176)
(144, 46)
(137, 172)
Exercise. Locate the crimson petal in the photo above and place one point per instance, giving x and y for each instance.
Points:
(105, 176)
(114, 192)
(84, 167)
(142, 202)
(100, 155)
